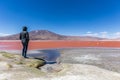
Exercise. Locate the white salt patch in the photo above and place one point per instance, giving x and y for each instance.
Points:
(68, 77)
(86, 57)
(5, 76)
(4, 65)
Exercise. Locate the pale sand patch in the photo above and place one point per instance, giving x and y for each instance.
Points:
(68, 77)
(80, 72)
(5, 76)
(4, 65)
(69, 72)
(86, 57)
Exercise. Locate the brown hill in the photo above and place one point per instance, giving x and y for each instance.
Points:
(48, 35)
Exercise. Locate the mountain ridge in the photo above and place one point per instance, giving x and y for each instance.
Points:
(48, 35)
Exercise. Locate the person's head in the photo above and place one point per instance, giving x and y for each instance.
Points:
(24, 28)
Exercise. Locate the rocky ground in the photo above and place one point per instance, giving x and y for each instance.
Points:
(14, 67)
(73, 64)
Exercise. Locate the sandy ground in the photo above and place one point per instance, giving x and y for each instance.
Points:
(75, 64)
(107, 58)
(68, 71)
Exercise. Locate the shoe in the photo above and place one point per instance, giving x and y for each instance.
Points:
(25, 57)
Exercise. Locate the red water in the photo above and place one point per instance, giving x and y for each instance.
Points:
(16, 45)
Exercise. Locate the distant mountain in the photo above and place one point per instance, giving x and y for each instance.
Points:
(48, 35)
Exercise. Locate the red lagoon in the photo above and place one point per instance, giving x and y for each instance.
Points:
(46, 44)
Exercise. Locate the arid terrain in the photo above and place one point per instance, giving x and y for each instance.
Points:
(16, 67)
(96, 60)
(106, 58)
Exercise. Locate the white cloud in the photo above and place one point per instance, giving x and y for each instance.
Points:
(116, 35)
(90, 34)
(3, 34)
(103, 34)
(99, 34)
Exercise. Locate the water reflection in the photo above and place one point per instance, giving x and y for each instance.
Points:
(48, 55)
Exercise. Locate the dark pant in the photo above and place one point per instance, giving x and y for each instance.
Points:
(25, 46)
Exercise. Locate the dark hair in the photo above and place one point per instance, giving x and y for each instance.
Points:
(24, 28)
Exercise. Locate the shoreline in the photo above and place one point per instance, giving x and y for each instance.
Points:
(95, 64)
(64, 48)
(107, 58)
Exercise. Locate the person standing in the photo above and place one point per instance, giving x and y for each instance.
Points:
(24, 37)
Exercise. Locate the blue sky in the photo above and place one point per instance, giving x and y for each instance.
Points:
(69, 17)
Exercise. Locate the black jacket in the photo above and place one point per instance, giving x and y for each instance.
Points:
(24, 35)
